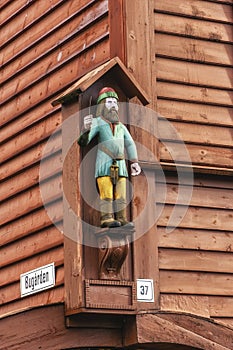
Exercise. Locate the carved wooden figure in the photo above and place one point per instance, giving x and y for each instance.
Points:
(110, 170)
(111, 173)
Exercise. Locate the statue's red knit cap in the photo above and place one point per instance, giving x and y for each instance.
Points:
(107, 92)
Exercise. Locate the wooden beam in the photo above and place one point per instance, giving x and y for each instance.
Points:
(117, 29)
(177, 330)
(46, 326)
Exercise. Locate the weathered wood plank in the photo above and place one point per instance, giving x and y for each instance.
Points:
(58, 80)
(194, 73)
(221, 306)
(38, 132)
(11, 274)
(47, 32)
(201, 218)
(199, 113)
(57, 27)
(12, 292)
(51, 166)
(199, 154)
(204, 283)
(200, 180)
(56, 58)
(51, 296)
(183, 92)
(197, 8)
(10, 8)
(30, 157)
(27, 17)
(190, 260)
(30, 200)
(193, 28)
(193, 304)
(32, 222)
(193, 49)
(201, 197)
(196, 239)
(31, 245)
(33, 116)
(196, 133)
(19, 183)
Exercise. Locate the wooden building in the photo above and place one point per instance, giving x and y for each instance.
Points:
(178, 54)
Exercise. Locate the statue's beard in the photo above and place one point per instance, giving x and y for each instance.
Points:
(111, 115)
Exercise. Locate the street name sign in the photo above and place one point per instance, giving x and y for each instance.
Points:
(37, 280)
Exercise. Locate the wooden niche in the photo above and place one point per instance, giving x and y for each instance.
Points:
(94, 281)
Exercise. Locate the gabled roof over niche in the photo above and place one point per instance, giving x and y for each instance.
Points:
(117, 70)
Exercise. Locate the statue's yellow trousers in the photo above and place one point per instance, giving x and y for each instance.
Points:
(108, 191)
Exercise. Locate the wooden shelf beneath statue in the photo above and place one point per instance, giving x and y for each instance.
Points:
(106, 294)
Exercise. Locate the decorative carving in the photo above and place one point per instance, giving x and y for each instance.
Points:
(113, 249)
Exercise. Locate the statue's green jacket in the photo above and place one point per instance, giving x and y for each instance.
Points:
(112, 142)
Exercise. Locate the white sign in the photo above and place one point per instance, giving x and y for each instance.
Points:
(145, 290)
(37, 280)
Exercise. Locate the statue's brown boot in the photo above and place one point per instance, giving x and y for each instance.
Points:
(120, 207)
(107, 218)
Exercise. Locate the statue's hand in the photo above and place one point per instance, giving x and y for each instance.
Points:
(87, 122)
(135, 169)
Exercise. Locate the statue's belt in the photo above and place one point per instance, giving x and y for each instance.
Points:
(111, 154)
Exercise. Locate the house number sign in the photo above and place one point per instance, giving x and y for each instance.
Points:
(145, 290)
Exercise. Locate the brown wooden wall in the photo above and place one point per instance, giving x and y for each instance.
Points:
(195, 259)
(50, 45)
(194, 60)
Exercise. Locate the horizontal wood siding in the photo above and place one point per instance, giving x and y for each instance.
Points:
(196, 257)
(51, 44)
(194, 63)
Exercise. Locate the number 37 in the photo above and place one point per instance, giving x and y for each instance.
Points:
(144, 290)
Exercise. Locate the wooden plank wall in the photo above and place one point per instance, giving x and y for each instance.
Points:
(51, 44)
(196, 259)
(194, 60)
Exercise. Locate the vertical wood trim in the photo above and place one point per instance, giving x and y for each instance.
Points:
(140, 60)
(73, 250)
(139, 41)
(146, 246)
(117, 29)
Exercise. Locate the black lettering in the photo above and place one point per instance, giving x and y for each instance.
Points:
(26, 282)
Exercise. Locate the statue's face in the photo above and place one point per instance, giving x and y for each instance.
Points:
(111, 103)
(110, 111)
